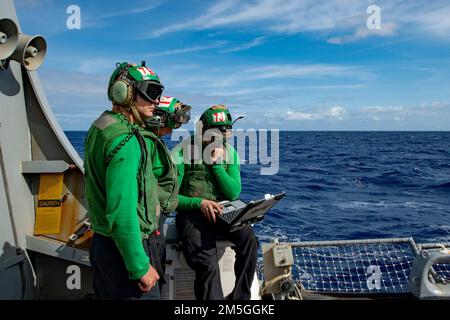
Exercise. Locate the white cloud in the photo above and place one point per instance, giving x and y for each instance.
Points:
(285, 89)
(284, 71)
(254, 78)
(186, 50)
(336, 112)
(432, 19)
(399, 113)
(299, 71)
(347, 17)
(198, 22)
(98, 20)
(254, 43)
(97, 65)
(279, 16)
(387, 29)
(383, 109)
(76, 98)
(72, 85)
(126, 12)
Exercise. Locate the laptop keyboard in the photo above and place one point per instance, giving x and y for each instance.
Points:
(230, 216)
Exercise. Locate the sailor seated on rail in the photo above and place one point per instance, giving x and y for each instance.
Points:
(203, 183)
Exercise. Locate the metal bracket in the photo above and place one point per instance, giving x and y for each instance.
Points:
(55, 166)
(13, 261)
(4, 64)
(419, 282)
(81, 231)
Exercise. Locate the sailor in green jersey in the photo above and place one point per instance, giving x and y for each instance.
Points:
(170, 114)
(121, 189)
(203, 184)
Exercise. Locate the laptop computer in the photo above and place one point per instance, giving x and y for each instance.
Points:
(238, 214)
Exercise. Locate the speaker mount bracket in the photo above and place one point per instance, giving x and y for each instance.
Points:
(4, 65)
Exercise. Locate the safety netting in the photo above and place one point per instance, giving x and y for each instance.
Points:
(359, 266)
(356, 268)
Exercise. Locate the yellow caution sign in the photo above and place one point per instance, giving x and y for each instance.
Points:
(48, 211)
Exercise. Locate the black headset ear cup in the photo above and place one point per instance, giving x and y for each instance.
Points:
(122, 92)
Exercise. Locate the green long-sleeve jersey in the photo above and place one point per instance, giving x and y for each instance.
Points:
(112, 194)
(227, 175)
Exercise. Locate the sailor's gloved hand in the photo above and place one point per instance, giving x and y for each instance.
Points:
(210, 208)
(148, 280)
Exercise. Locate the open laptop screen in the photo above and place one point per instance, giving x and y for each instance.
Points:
(253, 212)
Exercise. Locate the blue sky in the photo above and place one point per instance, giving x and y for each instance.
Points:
(291, 65)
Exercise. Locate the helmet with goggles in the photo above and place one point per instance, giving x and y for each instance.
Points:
(129, 79)
(173, 113)
(170, 113)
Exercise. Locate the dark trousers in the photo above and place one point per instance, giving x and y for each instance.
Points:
(111, 279)
(198, 238)
(161, 242)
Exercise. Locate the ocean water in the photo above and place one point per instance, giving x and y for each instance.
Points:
(352, 185)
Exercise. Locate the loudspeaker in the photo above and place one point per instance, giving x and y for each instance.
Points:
(30, 51)
(9, 35)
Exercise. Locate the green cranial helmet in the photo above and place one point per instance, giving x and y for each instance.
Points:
(167, 104)
(129, 79)
(172, 112)
(217, 116)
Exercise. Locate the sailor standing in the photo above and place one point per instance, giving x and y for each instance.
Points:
(122, 190)
(170, 114)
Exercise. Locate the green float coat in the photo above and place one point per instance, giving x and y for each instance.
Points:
(165, 172)
(115, 208)
(212, 182)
